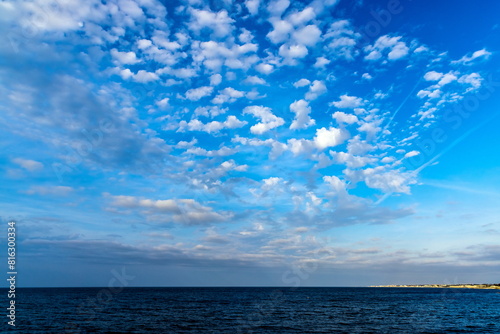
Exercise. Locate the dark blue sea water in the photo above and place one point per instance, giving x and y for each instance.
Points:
(256, 310)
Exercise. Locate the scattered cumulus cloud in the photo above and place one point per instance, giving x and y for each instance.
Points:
(267, 119)
(347, 101)
(392, 47)
(342, 117)
(476, 55)
(180, 211)
(196, 94)
(302, 119)
(330, 137)
(301, 83)
(212, 127)
(29, 165)
(316, 89)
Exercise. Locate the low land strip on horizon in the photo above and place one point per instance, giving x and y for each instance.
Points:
(467, 286)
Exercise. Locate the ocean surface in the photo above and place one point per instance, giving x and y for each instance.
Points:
(255, 310)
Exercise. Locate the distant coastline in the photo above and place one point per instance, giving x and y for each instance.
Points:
(454, 286)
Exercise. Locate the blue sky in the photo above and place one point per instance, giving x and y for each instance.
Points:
(251, 142)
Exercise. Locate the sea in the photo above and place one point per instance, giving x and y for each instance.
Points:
(254, 310)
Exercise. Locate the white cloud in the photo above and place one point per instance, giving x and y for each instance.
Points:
(302, 17)
(341, 40)
(131, 8)
(300, 146)
(316, 89)
(252, 6)
(337, 185)
(435, 93)
(468, 60)
(446, 79)
(367, 76)
(124, 58)
(181, 73)
(215, 79)
(373, 55)
(398, 51)
(213, 55)
(220, 23)
(268, 119)
(380, 95)
(254, 80)
(421, 49)
(387, 160)
(277, 148)
(271, 183)
(411, 154)
(126, 73)
(212, 127)
(184, 211)
(347, 101)
(308, 35)
(281, 31)
(30, 165)
(316, 201)
(395, 48)
(49, 18)
(371, 128)
(302, 120)
(246, 36)
(433, 76)
(144, 44)
(232, 122)
(172, 82)
(321, 62)
(222, 152)
(163, 103)
(301, 83)
(293, 51)
(350, 160)
(342, 117)
(388, 180)
(277, 7)
(330, 137)
(210, 111)
(186, 144)
(357, 146)
(161, 39)
(228, 95)
(343, 47)
(264, 68)
(473, 79)
(196, 94)
(145, 76)
(231, 165)
(254, 95)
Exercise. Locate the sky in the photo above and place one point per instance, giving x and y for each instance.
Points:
(251, 143)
